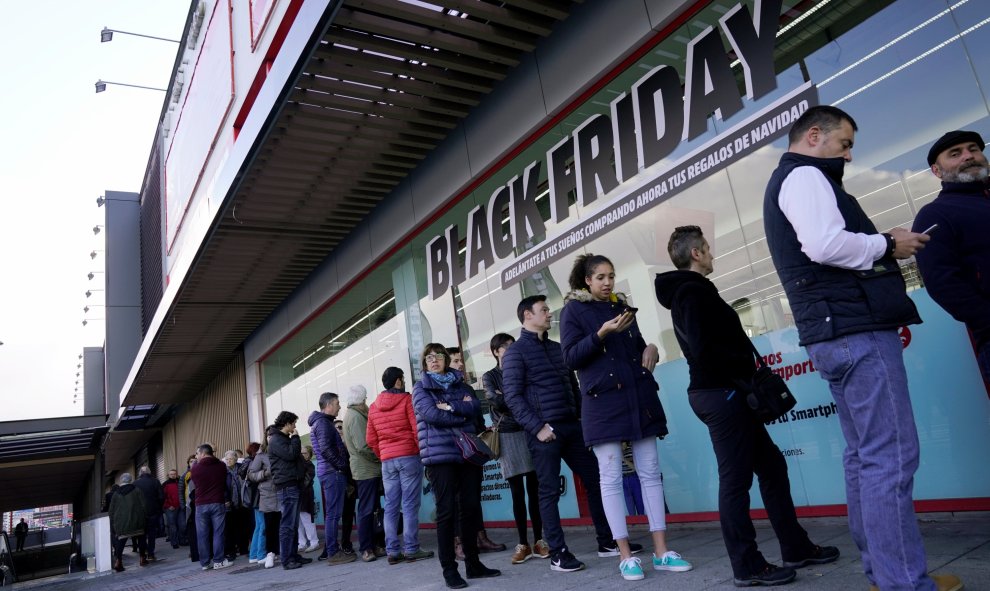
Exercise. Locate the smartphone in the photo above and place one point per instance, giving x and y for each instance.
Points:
(931, 229)
(631, 310)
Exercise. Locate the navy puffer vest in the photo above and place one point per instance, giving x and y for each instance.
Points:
(829, 302)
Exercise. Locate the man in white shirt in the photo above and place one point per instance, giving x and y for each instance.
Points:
(848, 299)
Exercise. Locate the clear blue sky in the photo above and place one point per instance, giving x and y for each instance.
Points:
(61, 146)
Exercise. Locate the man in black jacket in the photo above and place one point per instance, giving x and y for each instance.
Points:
(720, 357)
(285, 452)
(153, 501)
(543, 396)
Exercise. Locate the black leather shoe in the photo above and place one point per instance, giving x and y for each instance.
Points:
(303, 560)
(454, 580)
(480, 571)
(770, 576)
(291, 565)
(821, 555)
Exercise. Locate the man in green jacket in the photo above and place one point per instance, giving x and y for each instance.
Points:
(127, 518)
(366, 469)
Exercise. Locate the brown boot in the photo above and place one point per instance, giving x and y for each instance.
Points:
(458, 549)
(144, 560)
(118, 565)
(942, 583)
(485, 545)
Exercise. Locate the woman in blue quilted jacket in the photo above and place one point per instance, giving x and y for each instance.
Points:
(446, 407)
(619, 402)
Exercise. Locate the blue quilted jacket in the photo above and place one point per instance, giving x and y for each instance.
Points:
(436, 428)
(538, 387)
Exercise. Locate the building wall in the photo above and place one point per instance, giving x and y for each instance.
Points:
(218, 416)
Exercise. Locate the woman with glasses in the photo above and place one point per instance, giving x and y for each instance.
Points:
(445, 406)
(619, 402)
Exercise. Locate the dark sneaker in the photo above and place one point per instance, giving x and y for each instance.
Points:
(291, 565)
(820, 555)
(564, 562)
(380, 552)
(419, 555)
(398, 558)
(347, 549)
(368, 556)
(612, 549)
(770, 576)
(454, 580)
(303, 560)
(480, 571)
(340, 558)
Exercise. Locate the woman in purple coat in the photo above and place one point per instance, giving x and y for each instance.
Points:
(619, 402)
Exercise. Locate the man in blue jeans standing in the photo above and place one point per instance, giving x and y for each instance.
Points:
(331, 469)
(209, 476)
(285, 453)
(392, 435)
(848, 298)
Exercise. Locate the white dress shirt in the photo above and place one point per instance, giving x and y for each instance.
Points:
(808, 202)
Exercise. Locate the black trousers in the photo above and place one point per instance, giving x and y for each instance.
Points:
(121, 542)
(450, 481)
(519, 492)
(347, 516)
(743, 448)
(272, 521)
(568, 447)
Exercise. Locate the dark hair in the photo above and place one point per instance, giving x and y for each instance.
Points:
(527, 304)
(253, 448)
(499, 340)
(824, 117)
(583, 267)
(205, 448)
(326, 399)
(453, 350)
(682, 240)
(434, 348)
(285, 418)
(390, 376)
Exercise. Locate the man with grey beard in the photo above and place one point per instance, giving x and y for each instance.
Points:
(956, 262)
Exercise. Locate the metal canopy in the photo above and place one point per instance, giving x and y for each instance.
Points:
(47, 462)
(382, 88)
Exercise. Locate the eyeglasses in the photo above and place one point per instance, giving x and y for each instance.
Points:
(435, 357)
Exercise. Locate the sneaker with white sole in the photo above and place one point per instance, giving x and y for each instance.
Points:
(606, 550)
(671, 561)
(631, 569)
(270, 560)
(224, 564)
(565, 562)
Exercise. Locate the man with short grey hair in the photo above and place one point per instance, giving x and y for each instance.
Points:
(127, 519)
(366, 469)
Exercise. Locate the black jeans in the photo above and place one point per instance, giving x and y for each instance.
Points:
(743, 447)
(569, 447)
(449, 481)
(121, 542)
(368, 503)
(151, 534)
(347, 516)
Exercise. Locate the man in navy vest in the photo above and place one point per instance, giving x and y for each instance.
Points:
(848, 299)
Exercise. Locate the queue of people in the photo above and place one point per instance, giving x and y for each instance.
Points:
(591, 401)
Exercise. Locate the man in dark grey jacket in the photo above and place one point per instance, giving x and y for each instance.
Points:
(543, 396)
(153, 500)
(285, 452)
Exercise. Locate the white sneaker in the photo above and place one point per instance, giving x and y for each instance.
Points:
(224, 564)
(301, 549)
(270, 560)
(254, 560)
(316, 546)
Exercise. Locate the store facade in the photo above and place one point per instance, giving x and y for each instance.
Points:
(633, 155)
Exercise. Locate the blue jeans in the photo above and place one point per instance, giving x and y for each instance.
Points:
(334, 485)
(210, 518)
(403, 478)
(172, 525)
(569, 447)
(865, 372)
(367, 501)
(256, 551)
(288, 526)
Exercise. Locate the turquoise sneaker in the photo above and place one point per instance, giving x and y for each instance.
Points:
(671, 561)
(631, 569)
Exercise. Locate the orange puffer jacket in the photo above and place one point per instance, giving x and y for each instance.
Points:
(392, 426)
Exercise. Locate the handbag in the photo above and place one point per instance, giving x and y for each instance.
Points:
(473, 449)
(767, 394)
(490, 438)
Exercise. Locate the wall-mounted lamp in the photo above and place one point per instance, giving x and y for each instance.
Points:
(92, 255)
(100, 200)
(106, 35)
(92, 274)
(96, 228)
(89, 292)
(101, 86)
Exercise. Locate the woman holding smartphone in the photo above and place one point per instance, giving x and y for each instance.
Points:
(619, 402)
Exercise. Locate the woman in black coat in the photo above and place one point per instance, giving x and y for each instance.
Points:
(619, 402)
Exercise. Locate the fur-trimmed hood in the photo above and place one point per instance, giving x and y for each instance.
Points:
(583, 295)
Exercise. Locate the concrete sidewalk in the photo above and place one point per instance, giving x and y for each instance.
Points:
(957, 543)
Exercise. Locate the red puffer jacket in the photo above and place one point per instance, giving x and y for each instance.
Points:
(392, 426)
